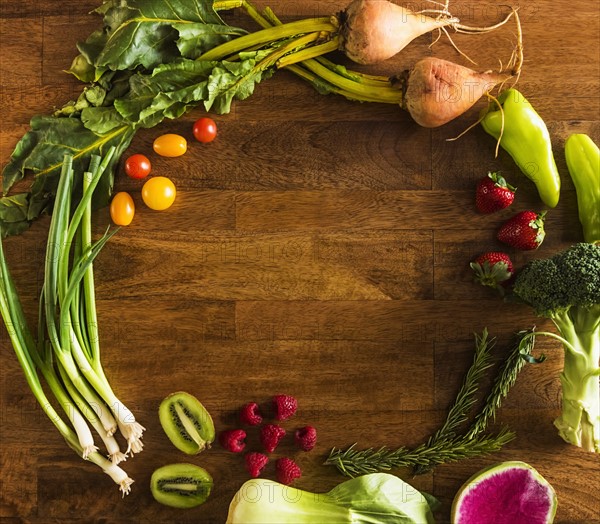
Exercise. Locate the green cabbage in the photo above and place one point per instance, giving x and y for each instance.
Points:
(377, 498)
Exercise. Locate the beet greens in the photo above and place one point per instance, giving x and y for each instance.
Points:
(154, 60)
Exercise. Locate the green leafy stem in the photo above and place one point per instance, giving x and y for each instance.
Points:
(326, 76)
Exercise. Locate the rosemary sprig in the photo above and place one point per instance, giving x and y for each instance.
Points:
(352, 462)
(466, 397)
(464, 402)
(505, 380)
(446, 445)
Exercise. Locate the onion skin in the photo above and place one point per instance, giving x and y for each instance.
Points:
(436, 91)
(375, 30)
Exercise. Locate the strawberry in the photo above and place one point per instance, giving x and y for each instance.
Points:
(233, 440)
(493, 269)
(523, 231)
(287, 470)
(306, 438)
(270, 435)
(255, 463)
(493, 193)
(250, 414)
(284, 406)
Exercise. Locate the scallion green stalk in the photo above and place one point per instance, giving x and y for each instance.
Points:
(22, 342)
(62, 284)
(93, 417)
(67, 351)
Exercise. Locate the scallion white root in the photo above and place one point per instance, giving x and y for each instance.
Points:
(118, 475)
(132, 431)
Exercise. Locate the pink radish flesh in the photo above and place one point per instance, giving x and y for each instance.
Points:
(510, 495)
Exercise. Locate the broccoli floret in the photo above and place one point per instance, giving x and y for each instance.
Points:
(566, 289)
(570, 278)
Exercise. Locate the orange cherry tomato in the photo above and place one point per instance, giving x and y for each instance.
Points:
(170, 145)
(122, 209)
(158, 193)
(138, 166)
(205, 130)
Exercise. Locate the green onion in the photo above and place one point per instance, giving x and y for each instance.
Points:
(67, 352)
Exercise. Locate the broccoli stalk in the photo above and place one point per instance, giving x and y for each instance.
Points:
(579, 422)
(566, 289)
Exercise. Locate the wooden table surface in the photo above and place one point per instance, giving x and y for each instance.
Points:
(319, 248)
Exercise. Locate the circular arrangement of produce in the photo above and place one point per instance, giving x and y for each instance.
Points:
(310, 263)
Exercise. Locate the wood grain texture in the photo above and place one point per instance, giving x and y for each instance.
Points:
(318, 247)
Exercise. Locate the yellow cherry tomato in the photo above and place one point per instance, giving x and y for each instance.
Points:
(170, 145)
(122, 209)
(158, 193)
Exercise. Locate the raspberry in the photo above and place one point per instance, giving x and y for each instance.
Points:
(233, 440)
(287, 470)
(250, 414)
(284, 406)
(306, 438)
(270, 435)
(255, 463)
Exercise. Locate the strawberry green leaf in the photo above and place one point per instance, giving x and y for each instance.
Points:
(491, 275)
(500, 181)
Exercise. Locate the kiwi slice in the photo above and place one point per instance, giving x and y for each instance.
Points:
(186, 422)
(181, 485)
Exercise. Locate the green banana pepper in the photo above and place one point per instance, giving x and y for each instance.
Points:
(583, 162)
(526, 138)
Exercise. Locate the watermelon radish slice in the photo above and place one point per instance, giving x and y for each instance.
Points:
(507, 493)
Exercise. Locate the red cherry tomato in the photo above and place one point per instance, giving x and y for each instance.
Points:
(137, 166)
(205, 130)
